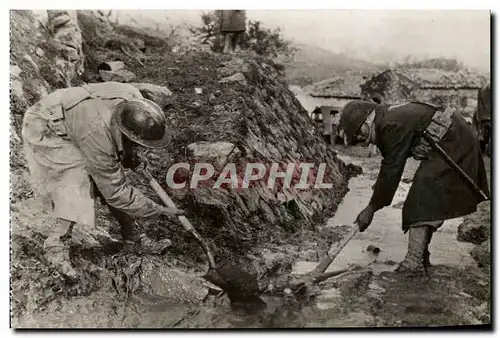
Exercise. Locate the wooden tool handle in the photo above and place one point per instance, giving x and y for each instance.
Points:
(169, 203)
(334, 252)
(186, 224)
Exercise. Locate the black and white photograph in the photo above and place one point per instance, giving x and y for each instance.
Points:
(250, 168)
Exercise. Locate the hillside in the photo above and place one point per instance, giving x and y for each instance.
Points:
(312, 64)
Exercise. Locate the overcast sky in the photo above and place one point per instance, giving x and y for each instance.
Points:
(374, 35)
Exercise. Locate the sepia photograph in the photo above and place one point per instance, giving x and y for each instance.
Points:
(250, 168)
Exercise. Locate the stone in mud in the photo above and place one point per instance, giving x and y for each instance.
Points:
(60, 19)
(238, 77)
(310, 255)
(159, 94)
(16, 83)
(120, 75)
(373, 249)
(157, 279)
(216, 153)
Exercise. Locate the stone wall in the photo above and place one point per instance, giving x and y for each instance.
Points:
(389, 86)
(465, 100)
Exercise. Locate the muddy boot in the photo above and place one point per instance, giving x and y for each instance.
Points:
(56, 249)
(414, 259)
(152, 247)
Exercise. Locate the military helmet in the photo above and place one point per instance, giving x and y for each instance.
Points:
(352, 118)
(143, 122)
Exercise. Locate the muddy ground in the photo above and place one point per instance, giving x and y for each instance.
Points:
(456, 291)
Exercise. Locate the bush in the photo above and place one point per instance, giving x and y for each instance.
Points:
(262, 41)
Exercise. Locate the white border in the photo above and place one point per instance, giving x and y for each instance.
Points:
(144, 4)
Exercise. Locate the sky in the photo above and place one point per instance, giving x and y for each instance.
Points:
(372, 35)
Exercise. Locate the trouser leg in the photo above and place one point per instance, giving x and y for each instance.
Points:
(237, 41)
(227, 43)
(417, 243)
(127, 224)
(419, 238)
(132, 237)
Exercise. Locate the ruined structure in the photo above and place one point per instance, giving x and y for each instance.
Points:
(456, 89)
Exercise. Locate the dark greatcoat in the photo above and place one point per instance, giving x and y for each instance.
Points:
(232, 21)
(438, 192)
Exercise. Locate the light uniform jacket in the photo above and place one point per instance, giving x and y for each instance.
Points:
(60, 164)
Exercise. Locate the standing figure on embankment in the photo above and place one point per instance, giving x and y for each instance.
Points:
(232, 29)
(438, 192)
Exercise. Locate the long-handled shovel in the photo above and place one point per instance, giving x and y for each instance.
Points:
(239, 285)
(318, 274)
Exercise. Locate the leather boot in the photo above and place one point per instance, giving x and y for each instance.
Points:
(56, 249)
(417, 244)
(132, 238)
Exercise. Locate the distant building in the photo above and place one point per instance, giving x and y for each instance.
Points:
(327, 98)
(456, 89)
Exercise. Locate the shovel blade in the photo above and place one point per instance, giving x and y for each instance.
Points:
(240, 286)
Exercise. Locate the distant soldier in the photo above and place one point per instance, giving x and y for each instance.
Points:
(232, 28)
(438, 192)
(482, 119)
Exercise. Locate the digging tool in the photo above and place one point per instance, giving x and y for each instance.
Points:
(455, 166)
(318, 274)
(239, 285)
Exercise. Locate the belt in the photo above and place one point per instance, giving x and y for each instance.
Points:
(437, 128)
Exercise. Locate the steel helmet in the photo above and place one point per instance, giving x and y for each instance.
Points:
(143, 122)
(352, 117)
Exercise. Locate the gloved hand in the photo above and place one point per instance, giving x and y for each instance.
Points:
(172, 213)
(365, 218)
